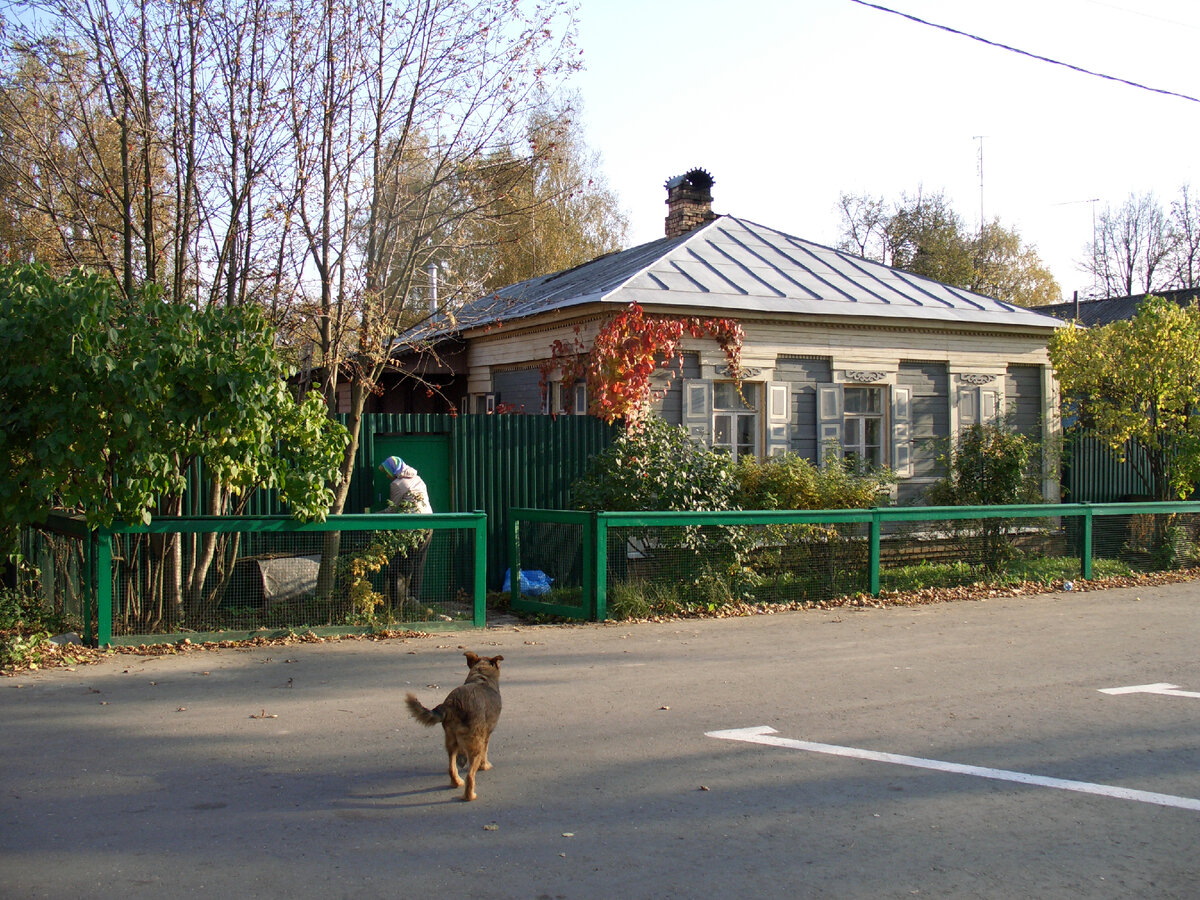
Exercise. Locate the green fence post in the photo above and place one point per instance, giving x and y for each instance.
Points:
(1085, 552)
(514, 561)
(88, 585)
(481, 570)
(588, 575)
(874, 561)
(599, 567)
(104, 593)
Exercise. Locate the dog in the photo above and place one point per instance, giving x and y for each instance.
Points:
(468, 716)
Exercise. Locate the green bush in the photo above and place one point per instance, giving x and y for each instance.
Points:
(990, 465)
(657, 467)
(793, 482)
(25, 630)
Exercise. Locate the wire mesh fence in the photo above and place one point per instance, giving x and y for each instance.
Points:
(659, 568)
(654, 563)
(1142, 540)
(936, 553)
(57, 560)
(236, 576)
(246, 576)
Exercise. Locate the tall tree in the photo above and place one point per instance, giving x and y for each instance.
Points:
(864, 221)
(1131, 249)
(1184, 223)
(927, 237)
(1009, 270)
(389, 108)
(555, 210)
(924, 235)
(311, 159)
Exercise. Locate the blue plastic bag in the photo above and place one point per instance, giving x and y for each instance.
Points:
(534, 582)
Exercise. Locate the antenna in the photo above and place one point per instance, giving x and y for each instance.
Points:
(1095, 263)
(980, 137)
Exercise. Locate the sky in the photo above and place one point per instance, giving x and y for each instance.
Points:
(790, 103)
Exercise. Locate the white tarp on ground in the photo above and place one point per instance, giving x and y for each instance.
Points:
(288, 577)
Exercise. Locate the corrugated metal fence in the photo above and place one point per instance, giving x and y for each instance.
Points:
(1092, 473)
(497, 462)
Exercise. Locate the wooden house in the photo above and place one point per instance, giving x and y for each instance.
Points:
(840, 354)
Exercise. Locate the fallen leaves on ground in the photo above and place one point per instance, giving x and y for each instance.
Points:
(68, 655)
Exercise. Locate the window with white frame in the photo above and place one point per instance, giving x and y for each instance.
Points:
(870, 426)
(735, 423)
(863, 424)
(753, 421)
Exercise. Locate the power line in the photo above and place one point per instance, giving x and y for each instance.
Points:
(1017, 50)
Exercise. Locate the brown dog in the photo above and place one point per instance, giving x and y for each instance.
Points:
(468, 715)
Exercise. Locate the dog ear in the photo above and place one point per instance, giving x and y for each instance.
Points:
(472, 659)
(496, 661)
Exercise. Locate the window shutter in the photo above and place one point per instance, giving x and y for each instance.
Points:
(779, 395)
(902, 432)
(968, 407)
(989, 405)
(697, 409)
(829, 422)
(977, 406)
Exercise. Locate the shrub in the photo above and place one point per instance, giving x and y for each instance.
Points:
(989, 466)
(656, 466)
(793, 482)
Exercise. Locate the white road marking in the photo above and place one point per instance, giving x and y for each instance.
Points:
(764, 734)
(1170, 690)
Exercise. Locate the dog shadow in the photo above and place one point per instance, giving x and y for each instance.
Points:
(430, 795)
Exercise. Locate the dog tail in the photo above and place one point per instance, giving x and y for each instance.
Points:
(423, 715)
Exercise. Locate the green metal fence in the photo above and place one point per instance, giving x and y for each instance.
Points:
(641, 563)
(239, 577)
(234, 578)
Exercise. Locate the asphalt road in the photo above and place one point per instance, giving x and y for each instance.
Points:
(294, 771)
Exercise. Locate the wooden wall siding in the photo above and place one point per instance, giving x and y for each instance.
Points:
(804, 374)
(670, 407)
(765, 340)
(1023, 399)
(930, 385)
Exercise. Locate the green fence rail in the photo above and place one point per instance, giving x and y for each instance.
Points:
(232, 578)
(642, 562)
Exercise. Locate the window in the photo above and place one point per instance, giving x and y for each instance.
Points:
(862, 440)
(869, 425)
(735, 419)
(557, 395)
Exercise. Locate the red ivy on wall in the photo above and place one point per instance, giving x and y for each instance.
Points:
(629, 348)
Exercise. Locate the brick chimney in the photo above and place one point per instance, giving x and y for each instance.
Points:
(689, 202)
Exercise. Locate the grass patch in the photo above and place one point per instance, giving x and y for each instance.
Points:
(711, 593)
(1040, 570)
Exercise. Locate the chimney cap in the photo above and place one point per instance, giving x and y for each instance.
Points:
(695, 178)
